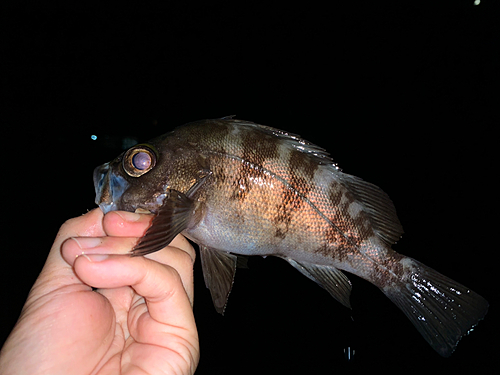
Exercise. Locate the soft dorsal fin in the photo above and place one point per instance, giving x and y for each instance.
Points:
(328, 277)
(377, 205)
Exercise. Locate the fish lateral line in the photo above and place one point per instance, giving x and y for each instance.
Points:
(290, 187)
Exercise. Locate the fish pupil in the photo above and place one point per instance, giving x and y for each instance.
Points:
(141, 161)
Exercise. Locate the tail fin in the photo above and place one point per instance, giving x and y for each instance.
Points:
(442, 310)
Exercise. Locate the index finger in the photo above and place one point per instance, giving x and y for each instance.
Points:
(57, 272)
(179, 254)
(129, 224)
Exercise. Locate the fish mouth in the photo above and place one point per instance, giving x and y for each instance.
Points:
(110, 188)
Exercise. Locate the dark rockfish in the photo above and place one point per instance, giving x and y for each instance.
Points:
(235, 187)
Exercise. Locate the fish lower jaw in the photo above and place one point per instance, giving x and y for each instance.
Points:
(151, 206)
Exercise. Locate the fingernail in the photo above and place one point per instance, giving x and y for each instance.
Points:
(128, 216)
(87, 242)
(94, 257)
(97, 257)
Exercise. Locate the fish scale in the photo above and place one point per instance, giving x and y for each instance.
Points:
(238, 188)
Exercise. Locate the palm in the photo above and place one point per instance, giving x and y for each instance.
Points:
(135, 336)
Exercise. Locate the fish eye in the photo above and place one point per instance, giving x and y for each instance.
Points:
(139, 160)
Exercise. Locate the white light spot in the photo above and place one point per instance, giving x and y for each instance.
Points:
(477, 2)
(408, 266)
(354, 209)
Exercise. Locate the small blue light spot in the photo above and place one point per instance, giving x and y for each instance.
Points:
(93, 137)
(349, 353)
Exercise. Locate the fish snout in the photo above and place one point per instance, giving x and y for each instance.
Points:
(109, 187)
(102, 189)
(100, 175)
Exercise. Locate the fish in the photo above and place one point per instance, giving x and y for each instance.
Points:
(237, 189)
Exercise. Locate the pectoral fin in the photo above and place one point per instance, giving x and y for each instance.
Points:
(172, 218)
(219, 268)
(329, 277)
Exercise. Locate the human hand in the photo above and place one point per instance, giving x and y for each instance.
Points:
(139, 320)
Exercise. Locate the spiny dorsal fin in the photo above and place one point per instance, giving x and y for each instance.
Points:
(294, 140)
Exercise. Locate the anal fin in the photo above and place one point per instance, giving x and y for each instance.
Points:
(328, 277)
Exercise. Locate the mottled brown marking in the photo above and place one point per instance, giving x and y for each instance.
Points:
(325, 250)
(335, 194)
(241, 186)
(219, 175)
(291, 201)
(335, 239)
(293, 195)
(388, 269)
(303, 164)
(364, 228)
(258, 147)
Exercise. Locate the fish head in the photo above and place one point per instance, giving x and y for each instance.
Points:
(137, 180)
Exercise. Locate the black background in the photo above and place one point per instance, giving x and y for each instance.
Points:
(402, 94)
